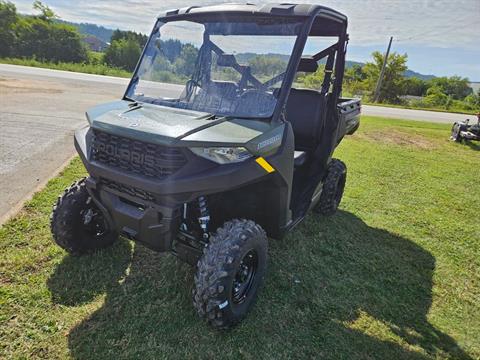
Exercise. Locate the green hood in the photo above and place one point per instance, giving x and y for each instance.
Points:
(167, 126)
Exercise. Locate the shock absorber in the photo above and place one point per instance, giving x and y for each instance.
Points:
(204, 218)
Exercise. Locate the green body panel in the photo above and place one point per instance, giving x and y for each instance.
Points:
(238, 131)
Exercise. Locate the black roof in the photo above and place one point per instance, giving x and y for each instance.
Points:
(327, 21)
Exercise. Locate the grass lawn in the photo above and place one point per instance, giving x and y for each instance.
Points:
(97, 69)
(436, 109)
(394, 275)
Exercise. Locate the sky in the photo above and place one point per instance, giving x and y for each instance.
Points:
(441, 37)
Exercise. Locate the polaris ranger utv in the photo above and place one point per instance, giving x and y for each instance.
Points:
(208, 169)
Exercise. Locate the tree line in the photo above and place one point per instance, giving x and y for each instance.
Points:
(38, 36)
(44, 38)
(449, 93)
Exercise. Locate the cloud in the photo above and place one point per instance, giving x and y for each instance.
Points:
(439, 23)
(422, 23)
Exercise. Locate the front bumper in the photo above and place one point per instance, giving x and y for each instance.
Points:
(149, 210)
(153, 225)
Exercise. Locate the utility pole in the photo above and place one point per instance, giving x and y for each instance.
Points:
(382, 72)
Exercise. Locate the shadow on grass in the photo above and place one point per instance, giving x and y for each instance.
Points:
(473, 145)
(336, 288)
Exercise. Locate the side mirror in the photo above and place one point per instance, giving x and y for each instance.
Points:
(308, 65)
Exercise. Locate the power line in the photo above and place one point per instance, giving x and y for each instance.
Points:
(435, 32)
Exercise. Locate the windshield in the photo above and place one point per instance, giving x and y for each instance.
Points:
(223, 68)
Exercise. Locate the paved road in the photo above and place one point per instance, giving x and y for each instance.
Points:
(418, 115)
(41, 108)
(39, 111)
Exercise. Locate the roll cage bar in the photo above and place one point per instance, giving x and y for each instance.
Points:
(244, 70)
(317, 21)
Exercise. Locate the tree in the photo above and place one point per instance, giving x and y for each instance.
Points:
(8, 18)
(49, 41)
(414, 86)
(39, 36)
(267, 65)
(66, 45)
(123, 53)
(125, 49)
(162, 64)
(185, 63)
(45, 11)
(354, 74)
(394, 74)
(140, 38)
(171, 49)
(354, 80)
(473, 101)
(436, 97)
(455, 86)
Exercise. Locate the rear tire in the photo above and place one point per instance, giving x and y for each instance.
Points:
(77, 224)
(333, 188)
(230, 273)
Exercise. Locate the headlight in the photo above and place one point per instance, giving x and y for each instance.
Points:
(223, 155)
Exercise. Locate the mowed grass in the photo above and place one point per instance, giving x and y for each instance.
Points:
(394, 275)
(97, 69)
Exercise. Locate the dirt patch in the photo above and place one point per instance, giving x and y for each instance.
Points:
(15, 86)
(398, 138)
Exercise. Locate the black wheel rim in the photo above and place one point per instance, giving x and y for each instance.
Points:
(94, 222)
(244, 277)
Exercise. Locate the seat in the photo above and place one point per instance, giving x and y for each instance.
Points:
(299, 158)
(304, 112)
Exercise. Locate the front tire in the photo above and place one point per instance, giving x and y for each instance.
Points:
(333, 187)
(77, 224)
(455, 136)
(230, 273)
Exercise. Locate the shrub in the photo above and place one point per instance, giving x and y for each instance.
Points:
(123, 53)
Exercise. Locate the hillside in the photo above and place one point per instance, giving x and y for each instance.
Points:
(410, 73)
(97, 31)
(245, 57)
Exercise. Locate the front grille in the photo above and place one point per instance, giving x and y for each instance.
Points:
(136, 157)
(129, 190)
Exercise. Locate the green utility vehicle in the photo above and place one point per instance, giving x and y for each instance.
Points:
(216, 145)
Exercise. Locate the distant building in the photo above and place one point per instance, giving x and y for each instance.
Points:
(95, 44)
(475, 86)
(411, 97)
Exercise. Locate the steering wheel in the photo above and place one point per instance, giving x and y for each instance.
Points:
(190, 85)
(257, 101)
